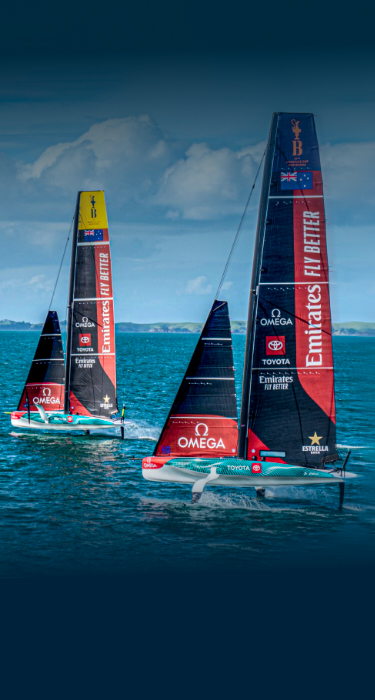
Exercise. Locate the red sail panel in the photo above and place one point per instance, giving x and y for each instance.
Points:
(93, 354)
(45, 382)
(312, 307)
(203, 418)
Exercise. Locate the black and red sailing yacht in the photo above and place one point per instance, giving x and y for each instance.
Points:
(82, 396)
(287, 432)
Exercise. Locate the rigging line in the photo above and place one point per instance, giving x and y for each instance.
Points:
(239, 229)
(61, 264)
(290, 313)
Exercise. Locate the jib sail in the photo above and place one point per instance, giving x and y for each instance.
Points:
(46, 380)
(91, 358)
(288, 392)
(203, 418)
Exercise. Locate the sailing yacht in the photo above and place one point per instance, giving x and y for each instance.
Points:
(287, 431)
(82, 396)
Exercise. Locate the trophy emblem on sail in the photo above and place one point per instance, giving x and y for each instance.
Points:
(297, 143)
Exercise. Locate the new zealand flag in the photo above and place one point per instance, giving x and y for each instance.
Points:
(296, 180)
(92, 236)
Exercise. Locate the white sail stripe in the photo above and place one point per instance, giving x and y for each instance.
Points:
(183, 415)
(95, 299)
(216, 338)
(286, 368)
(225, 379)
(93, 354)
(49, 335)
(295, 196)
(94, 243)
(43, 384)
(309, 282)
(49, 359)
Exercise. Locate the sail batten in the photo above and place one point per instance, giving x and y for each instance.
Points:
(45, 382)
(288, 391)
(91, 356)
(203, 417)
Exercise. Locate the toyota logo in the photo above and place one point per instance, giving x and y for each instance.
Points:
(275, 345)
(85, 340)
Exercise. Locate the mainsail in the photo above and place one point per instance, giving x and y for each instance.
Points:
(91, 358)
(288, 390)
(203, 418)
(45, 382)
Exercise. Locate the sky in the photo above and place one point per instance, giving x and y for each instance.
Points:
(167, 108)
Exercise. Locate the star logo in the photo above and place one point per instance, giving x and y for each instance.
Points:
(315, 439)
(106, 399)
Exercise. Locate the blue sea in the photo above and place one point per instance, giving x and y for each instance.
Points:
(75, 505)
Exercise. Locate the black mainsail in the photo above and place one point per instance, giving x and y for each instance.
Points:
(46, 379)
(203, 418)
(288, 386)
(91, 359)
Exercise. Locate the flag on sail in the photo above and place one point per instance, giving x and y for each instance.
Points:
(296, 180)
(45, 382)
(292, 403)
(203, 419)
(92, 358)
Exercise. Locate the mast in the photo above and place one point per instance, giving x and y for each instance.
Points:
(246, 383)
(288, 400)
(70, 305)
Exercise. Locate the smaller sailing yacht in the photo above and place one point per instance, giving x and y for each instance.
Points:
(83, 396)
(287, 432)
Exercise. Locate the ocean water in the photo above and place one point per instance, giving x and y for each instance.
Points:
(79, 505)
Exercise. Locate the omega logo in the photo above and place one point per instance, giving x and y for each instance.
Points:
(201, 441)
(205, 431)
(276, 319)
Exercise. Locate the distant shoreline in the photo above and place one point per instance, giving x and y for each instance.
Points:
(349, 328)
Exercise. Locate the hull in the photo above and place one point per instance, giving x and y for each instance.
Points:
(60, 422)
(237, 473)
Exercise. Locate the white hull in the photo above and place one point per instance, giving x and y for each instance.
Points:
(186, 476)
(65, 427)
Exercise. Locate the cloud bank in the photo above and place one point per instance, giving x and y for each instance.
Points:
(151, 177)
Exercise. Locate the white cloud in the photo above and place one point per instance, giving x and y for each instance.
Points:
(226, 285)
(198, 286)
(208, 183)
(34, 284)
(347, 170)
(137, 163)
(127, 155)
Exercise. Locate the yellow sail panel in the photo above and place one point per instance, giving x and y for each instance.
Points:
(92, 211)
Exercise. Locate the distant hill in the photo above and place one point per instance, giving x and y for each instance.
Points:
(350, 328)
(354, 328)
(237, 327)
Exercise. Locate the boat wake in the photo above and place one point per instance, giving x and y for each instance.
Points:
(354, 447)
(135, 430)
